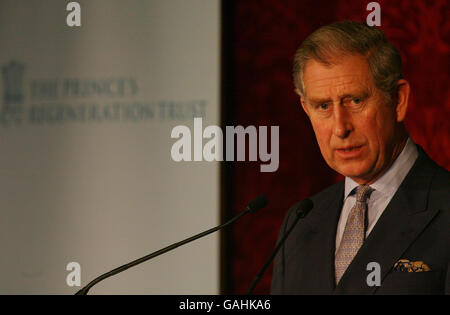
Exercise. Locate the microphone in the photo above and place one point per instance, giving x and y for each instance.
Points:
(301, 211)
(256, 204)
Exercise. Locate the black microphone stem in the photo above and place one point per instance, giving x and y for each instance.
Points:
(85, 289)
(299, 215)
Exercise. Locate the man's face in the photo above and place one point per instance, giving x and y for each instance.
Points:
(354, 125)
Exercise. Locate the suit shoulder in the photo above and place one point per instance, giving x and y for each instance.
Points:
(442, 177)
(321, 199)
(440, 188)
(329, 192)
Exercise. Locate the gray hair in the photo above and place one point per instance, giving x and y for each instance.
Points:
(348, 37)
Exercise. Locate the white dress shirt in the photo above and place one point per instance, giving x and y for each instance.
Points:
(384, 189)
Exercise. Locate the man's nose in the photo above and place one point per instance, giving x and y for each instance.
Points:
(342, 122)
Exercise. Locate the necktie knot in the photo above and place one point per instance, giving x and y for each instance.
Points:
(363, 193)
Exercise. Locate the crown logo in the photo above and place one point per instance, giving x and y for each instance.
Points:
(13, 83)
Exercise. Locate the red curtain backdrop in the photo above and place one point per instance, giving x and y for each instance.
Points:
(260, 39)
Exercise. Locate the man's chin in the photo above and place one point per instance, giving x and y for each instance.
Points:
(355, 172)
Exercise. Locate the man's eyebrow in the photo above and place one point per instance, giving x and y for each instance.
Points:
(315, 101)
(361, 94)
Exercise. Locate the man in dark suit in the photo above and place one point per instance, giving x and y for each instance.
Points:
(386, 228)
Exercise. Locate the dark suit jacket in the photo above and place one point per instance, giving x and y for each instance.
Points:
(414, 226)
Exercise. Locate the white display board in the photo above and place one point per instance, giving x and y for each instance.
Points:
(86, 173)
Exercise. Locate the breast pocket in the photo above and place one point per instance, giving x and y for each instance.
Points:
(429, 282)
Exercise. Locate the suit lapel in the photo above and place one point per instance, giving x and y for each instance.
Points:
(399, 225)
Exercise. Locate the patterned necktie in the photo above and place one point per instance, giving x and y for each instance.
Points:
(353, 236)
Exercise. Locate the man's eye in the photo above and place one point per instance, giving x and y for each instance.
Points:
(356, 100)
(323, 106)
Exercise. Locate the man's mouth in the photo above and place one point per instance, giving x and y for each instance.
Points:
(350, 151)
(350, 148)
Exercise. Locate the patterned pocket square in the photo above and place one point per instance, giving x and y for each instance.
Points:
(404, 265)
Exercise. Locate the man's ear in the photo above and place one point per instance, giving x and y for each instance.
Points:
(402, 99)
(302, 101)
(305, 108)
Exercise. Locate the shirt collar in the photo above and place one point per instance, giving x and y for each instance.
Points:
(393, 177)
